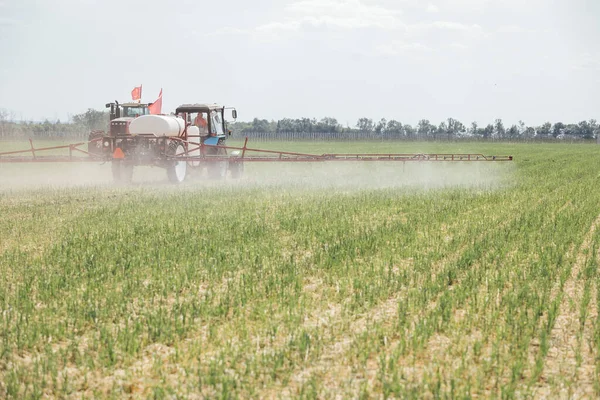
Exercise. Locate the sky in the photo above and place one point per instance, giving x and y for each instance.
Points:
(473, 60)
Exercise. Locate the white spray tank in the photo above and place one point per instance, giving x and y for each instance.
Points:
(157, 125)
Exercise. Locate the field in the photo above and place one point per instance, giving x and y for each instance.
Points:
(306, 281)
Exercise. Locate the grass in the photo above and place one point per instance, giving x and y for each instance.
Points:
(483, 283)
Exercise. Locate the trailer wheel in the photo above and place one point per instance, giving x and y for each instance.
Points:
(122, 172)
(177, 170)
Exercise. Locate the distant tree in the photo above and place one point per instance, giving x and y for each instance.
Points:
(3, 122)
(328, 125)
(365, 125)
(410, 131)
(425, 129)
(545, 130)
(381, 125)
(92, 119)
(595, 128)
(240, 127)
(585, 130)
(558, 129)
(454, 128)
(513, 132)
(522, 128)
(474, 130)
(488, 132)
(529, 132)
(259, 125)
(442, 130)
(499, 130)
(395, 128)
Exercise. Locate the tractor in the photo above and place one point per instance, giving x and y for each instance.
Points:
(191, 139)
(121, 116)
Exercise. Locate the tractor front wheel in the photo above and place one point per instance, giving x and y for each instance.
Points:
(122, 172)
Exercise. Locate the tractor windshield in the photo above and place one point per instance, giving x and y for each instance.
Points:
(134, 112)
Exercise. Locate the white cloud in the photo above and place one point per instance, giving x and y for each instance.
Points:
(225, 31)
(343, 14)
(453, 26)
(402, 48)
(432, 8)
(447, 29)
(588, 61)
(349, 15)
(514, 29)
(279, 26)
(459, 46)
(467, 5)
(6, 21)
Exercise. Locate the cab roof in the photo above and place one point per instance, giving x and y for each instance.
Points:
(198, 107)
(137, 105)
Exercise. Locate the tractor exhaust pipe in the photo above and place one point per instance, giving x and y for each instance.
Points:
(112, 110)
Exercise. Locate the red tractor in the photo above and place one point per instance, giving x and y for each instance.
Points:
(121, 116)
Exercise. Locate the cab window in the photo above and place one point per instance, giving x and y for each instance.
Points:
(134, 111)
(200, 120)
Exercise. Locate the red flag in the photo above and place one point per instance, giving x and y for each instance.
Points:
(136, 93)
(156, 107)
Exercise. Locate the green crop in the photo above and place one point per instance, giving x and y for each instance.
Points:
(408, 281)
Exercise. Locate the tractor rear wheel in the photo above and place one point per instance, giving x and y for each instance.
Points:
(122, 172)
(95, 143)
(177, 170)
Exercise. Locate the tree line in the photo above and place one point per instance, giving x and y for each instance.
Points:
(79, 125)
(424, 129)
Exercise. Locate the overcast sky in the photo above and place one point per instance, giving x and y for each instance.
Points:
(531, 60)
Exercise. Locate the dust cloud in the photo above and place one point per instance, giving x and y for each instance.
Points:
(346, 176)
(380, 175)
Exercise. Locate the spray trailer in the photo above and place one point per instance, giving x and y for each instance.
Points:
(192, 139)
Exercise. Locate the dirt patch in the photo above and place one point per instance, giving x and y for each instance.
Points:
(570, 363)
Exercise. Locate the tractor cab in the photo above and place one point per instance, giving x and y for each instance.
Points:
(127, 110)
(134, 110)
(209, 119)
(122, 114)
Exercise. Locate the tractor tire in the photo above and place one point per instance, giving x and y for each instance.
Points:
(95, 143)
(218, 170)
(122, 172)
(177, 170)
